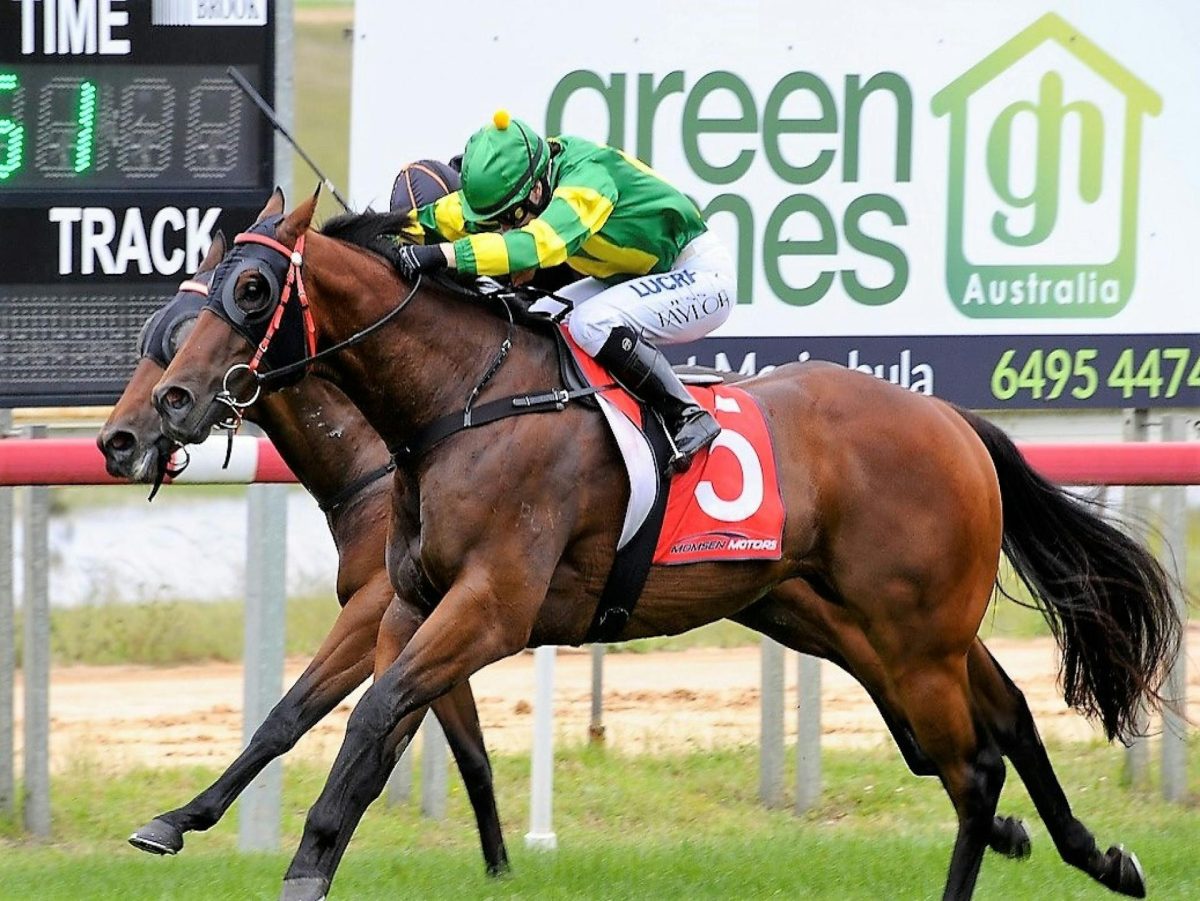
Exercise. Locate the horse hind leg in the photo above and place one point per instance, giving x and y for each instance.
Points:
(797, 616)
(459, 716)
(1009, 720)
(935, 697)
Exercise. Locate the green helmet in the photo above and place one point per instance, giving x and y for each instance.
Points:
(500, 166)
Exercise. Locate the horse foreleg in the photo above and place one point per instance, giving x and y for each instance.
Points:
(341, 664)
(466, 631)
(459, 717)
(1008, 717)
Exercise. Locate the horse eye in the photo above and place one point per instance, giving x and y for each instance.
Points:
(253, 294)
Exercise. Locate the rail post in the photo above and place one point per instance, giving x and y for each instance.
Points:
(770, 743)
(434, 775)
(260, 809)
(1175, 553)
(596, 725)
(808, 733)
(399, 784)
(35, 658)
(541, 836)
(1137, 520)
(7, 642)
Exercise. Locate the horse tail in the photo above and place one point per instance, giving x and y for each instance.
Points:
(1106, 598)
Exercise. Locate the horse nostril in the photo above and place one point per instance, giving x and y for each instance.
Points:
(121, 442)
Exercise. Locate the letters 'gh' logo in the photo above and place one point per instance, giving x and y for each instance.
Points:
(1043, 178)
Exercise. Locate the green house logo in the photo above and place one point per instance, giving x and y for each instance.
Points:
(1045, 146)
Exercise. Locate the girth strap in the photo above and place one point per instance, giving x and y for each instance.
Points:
(631, 564)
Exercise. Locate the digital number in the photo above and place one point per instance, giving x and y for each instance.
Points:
(147, 113)
(1004, 377)
(85, 140)
(1147, 376)
(1031, 375)
(1084, 368)
(211, 147)
(1058, 370)
(66, 133)
(59, 129)
(1058, 367)
(12, 132)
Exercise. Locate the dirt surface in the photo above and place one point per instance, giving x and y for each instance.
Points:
(117, 717)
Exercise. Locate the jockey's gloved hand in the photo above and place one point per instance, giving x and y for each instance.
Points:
(413, 259)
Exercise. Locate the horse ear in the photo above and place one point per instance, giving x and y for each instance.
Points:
(297, 221)
(275, 206)
(216, 251)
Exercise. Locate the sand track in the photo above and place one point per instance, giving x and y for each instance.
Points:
(118, 717)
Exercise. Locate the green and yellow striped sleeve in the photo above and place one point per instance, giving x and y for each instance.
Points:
(575, 213)
(441, 220)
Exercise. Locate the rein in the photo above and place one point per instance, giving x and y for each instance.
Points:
(515, 405)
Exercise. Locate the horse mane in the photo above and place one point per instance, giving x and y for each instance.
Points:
(377, 232)
(381, 233)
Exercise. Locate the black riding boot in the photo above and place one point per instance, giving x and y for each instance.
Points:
(645, 373)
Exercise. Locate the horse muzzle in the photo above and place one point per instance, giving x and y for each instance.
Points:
(183, 420)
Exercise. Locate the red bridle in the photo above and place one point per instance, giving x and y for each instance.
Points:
(295, 263)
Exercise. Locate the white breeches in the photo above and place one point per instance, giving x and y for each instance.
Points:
(685, 304)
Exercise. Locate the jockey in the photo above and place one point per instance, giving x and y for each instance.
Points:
(655, 270)
(421, 183)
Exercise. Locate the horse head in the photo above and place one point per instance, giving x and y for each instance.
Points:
(286, 297)
(132, 438)
(214, 374)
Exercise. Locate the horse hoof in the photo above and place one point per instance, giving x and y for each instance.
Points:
(1014, 840)
(306, 888)
(499, 868)
(1124, 873)
(158, 837)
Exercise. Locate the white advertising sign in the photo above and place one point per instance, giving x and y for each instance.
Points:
(1020, 173)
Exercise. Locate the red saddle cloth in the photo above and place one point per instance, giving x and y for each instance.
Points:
(727, 506)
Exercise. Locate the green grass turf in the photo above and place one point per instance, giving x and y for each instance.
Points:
(684, 826)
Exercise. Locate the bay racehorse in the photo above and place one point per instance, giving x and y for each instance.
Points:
(338, 458)
(343, 464)
(898, 508)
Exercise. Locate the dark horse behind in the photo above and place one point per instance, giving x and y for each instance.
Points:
(898, 509)
(344, 466)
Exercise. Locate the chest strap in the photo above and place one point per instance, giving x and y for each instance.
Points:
(485, 414)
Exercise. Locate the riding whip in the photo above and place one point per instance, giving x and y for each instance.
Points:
(248, 89)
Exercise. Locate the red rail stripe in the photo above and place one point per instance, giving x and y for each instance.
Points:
(77, 461)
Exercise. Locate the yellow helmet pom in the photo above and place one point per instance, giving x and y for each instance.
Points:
(501, 118)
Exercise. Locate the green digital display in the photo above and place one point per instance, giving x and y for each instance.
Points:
(124, 126)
